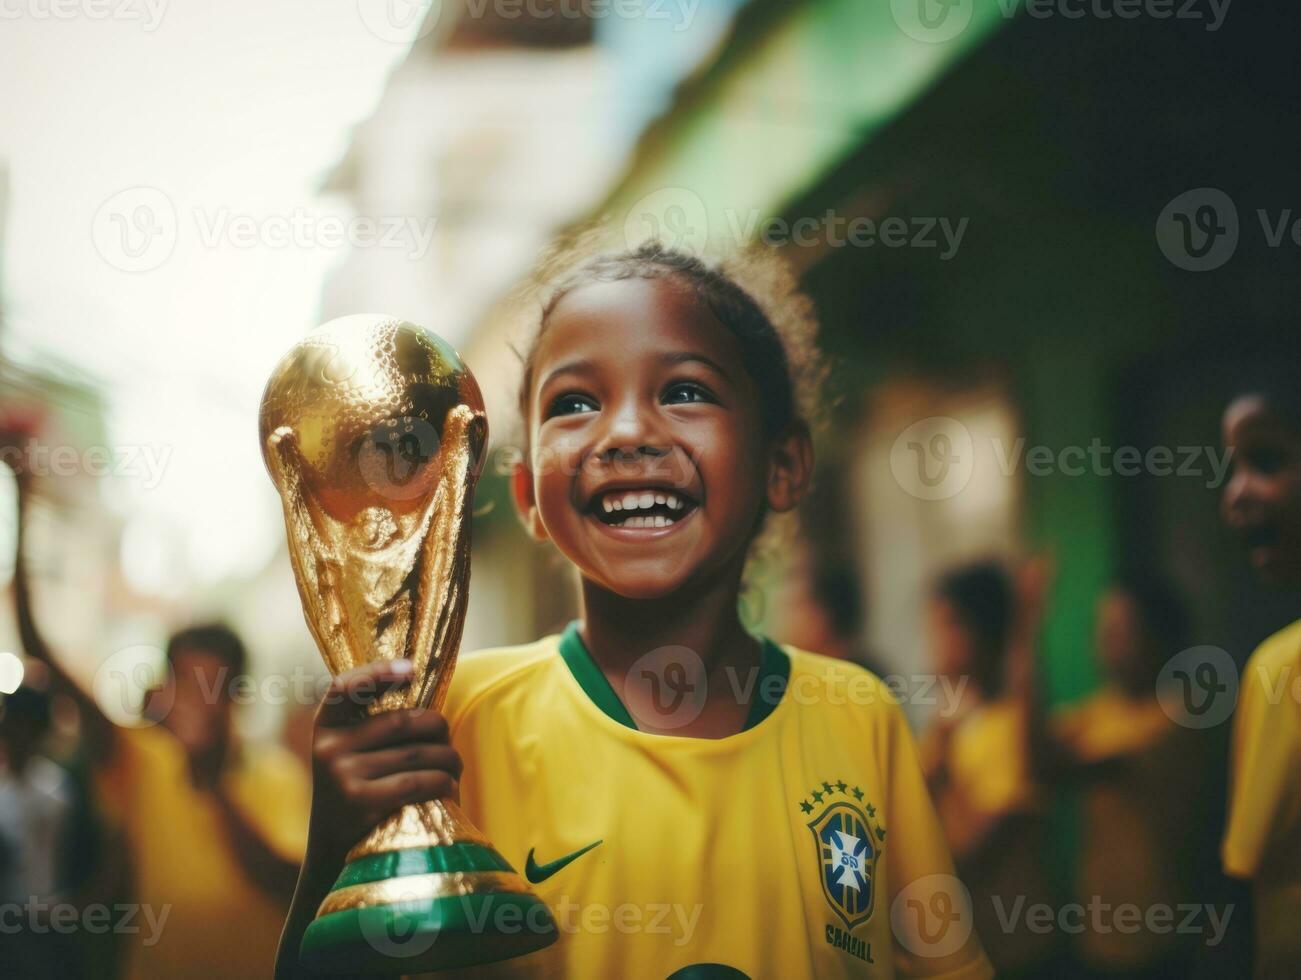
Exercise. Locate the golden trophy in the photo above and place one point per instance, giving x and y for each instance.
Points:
(374, 433)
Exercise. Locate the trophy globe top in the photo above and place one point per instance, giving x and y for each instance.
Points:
(366, 398)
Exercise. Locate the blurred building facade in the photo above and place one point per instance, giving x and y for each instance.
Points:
(981, 307)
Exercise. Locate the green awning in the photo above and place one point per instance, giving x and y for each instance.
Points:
(797, 88)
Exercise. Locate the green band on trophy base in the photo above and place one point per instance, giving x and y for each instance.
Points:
(460, 856)
(425, 908)
(434, 934)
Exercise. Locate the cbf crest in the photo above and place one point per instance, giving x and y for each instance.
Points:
(848, 839)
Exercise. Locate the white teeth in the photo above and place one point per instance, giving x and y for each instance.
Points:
(643, 500)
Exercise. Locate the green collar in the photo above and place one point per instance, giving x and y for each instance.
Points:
(767, 692)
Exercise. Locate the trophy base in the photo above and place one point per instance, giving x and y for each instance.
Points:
(425, 908)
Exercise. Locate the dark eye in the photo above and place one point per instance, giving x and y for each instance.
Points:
(571, 404)
(1265, 460)
(685, 392)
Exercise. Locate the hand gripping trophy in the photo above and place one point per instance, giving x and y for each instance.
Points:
(374, 433)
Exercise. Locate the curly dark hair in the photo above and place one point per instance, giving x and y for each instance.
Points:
(753, 295)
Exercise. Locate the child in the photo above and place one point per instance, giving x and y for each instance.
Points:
(977, 768)
(1147, 788)
(689, 798)
(1262, 844)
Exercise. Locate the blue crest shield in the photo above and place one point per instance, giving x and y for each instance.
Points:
(847, 854)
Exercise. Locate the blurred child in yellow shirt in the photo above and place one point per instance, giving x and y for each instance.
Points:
(1148, 820)
(1262, 844)
(977, 769)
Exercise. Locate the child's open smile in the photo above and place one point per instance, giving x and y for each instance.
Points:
(648, 465)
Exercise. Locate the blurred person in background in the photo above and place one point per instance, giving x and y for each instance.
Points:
(1261, 849)
(977, 768)
(48, 841)
(823, 610)
(1148, 789)
(213, 830)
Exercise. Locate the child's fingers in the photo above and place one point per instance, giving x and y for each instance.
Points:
(390, 792)
(408, 758)
(385, 730)
(350, 692)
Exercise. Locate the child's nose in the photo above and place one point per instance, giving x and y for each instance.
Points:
(632, 432)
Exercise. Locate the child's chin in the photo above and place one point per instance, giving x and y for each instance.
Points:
(649, 586)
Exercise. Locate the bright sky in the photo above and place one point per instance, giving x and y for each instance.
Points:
(203, 112)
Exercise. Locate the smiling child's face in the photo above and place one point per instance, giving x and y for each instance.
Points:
(1262, 500)
(647, 466)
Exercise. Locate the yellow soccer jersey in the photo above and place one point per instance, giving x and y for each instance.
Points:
(193, 898)
(1138, 821)
(1263, 840)
(987, 760)
(782, 851)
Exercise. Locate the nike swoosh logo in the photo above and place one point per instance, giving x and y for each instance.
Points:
(538, 873)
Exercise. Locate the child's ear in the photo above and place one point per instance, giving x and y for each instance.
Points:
(526, 504)
(790, 467)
